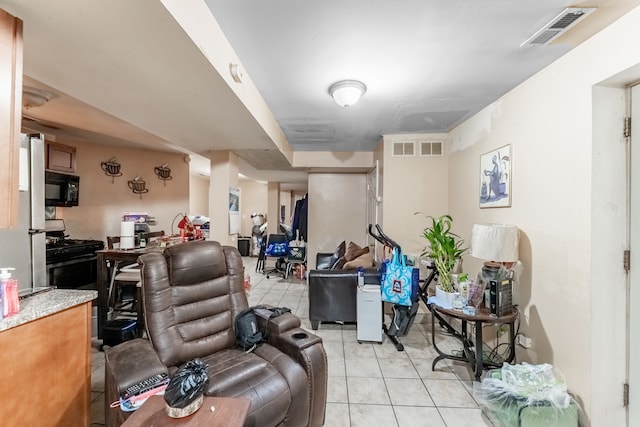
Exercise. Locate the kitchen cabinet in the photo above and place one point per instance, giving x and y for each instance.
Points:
(61, 158)
(46, 361)
(10, 116)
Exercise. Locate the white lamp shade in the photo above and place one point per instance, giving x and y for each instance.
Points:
(347, 92)
(495, 242)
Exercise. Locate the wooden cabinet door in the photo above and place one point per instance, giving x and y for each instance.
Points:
(61, 158)
(10, 116)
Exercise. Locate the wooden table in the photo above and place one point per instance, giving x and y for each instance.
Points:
(229, 412)
(107, 258)
(472, 351)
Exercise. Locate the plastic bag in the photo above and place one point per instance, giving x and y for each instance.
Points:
(277, 249)
(187, 384)
(504, 392)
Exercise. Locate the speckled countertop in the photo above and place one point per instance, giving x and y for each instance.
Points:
(46, 303)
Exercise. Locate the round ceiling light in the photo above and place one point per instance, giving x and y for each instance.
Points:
(347, 92)
(34, 97)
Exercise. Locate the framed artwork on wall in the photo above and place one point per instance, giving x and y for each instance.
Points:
(495, 178)
(234, 210)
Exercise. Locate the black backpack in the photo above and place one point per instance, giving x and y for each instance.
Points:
(248, 334)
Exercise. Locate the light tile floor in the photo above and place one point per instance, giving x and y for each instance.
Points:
(369, 384)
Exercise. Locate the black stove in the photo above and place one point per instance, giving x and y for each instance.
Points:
(64, 249)
(71, 263)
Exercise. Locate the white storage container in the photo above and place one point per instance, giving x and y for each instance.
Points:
(369, 313)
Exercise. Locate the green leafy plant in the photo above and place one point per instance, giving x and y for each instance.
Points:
(444, 247)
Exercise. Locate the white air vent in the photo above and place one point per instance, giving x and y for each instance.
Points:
(558, 25)
(431, 148)
(403, 149)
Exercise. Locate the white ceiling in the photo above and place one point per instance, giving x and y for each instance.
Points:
(126, 72)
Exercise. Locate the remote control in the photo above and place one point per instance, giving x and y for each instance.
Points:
(146, 385)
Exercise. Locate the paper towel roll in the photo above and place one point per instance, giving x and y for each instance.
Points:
(127, 242)
(127, 233)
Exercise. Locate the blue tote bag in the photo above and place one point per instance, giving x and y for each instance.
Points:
(398, 282)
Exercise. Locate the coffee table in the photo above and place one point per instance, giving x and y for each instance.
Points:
(229, 412)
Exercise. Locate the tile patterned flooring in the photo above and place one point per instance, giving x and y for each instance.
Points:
(369, 384)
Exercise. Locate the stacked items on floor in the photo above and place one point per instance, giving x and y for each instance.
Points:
(527, 395)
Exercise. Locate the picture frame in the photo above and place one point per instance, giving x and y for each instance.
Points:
(495, 178)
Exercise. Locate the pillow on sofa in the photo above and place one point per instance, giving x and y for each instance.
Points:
(365, 260)
(337, 256)
(354, 251)
(338, 264)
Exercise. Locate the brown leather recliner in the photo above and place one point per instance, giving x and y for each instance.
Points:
(192, 294)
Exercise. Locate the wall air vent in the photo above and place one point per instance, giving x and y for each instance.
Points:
(403, 149)
(558, 25)
(431, 148)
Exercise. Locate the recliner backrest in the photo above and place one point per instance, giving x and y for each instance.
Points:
(191, 294)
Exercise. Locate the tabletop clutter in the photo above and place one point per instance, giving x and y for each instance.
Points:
(183, 393)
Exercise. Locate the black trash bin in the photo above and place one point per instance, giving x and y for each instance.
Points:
(243, 245)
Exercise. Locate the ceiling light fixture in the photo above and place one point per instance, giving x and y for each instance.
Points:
(347, 92)
(33, 97)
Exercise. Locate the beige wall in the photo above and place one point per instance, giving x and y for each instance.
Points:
(568, 200)
(224, 175)
(285, 200)
(199, 195)
(412, 184)
(102, 202)
(253, 199)
(273, 207)
(337, 211)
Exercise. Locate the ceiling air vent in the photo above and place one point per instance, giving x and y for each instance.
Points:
(558, 25)
(403, 149)
(431, 148)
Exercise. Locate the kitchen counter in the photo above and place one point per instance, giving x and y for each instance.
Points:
(45, 304)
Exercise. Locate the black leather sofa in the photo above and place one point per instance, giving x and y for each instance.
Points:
(332, 293)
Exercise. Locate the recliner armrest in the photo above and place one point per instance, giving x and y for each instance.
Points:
(278, 325)
(132, 362)
(125, 365)
(307, 349)
(294, 341)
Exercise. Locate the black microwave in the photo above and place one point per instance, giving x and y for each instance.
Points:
(61, 189)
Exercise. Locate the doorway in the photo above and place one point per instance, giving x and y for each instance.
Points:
(634, 272)
(373, 197)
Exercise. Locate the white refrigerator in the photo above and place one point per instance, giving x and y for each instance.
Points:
(24, 246)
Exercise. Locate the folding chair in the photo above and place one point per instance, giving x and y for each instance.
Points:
(297, 255)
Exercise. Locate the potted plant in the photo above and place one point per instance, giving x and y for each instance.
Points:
(445, 248)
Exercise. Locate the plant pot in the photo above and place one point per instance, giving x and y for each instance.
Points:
(444, 299)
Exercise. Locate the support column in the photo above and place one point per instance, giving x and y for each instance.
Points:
(273, 207)
(224, 174)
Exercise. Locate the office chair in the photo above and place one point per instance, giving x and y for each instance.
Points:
(276, 248)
